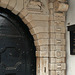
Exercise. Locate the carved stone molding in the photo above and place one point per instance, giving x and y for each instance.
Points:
(34, 5)
(38, 5)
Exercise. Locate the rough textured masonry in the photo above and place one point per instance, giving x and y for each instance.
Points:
(46, 21)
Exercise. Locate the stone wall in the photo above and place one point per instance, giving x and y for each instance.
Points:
(46, 22)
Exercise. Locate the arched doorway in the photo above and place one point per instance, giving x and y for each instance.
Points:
(17, 50)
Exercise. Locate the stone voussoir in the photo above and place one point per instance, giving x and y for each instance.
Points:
(39, 29)
(12, 4)
(32, 17)
(4, 3)
(19, 6)
(41, 35)
(34, 23)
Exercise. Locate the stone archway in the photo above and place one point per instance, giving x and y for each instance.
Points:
(38, 26)
(47, 26)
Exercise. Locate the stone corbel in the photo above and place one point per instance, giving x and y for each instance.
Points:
(60, 6)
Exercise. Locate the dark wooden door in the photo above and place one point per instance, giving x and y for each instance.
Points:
(17, 50)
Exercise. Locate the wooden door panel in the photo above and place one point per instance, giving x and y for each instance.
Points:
(17, 50)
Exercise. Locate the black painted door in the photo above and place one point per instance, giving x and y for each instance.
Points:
(17, 51)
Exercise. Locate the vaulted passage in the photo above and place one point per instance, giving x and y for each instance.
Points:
(17, 50)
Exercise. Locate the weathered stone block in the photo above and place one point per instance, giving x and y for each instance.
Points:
(52, 28)
(41, 36)
(44, 70)
(60, 60)
(60, 42)
(63, 53)
(62, 48)
(52, 41)
(51, 6)
(34, 5)
(39, 29)
(52, 23)
(23, 13)
(52, 1)
(34, 24)
(19, 6)
(52, 60)
(52, 53)
(41, 42)
(59, 29)
(58, 72)
(11, 4)
(38, 66)
(58, 48)
(4, 3)
(51, 17)
(32, 17)
(63, 72)
(58, 54)
(60, 6)
(52, 47)
(52, 66)
(41, 53)
(42, 48)
(63, 66)
(59, 36)
(62, 0)
(59, 17)
(52, 72)
(42, 66)
(52, 36)
(63, 60)
(60, 23)
(58, 66)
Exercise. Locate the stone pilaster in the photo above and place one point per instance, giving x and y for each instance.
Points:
(57, 63)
